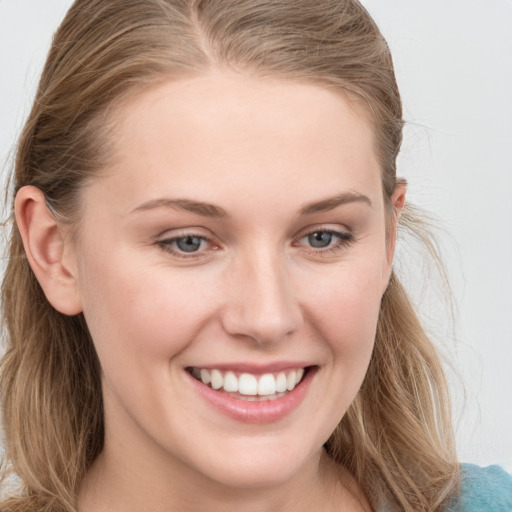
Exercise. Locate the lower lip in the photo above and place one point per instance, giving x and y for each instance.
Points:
(267, 411)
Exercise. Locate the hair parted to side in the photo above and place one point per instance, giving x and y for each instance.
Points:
(396, 437)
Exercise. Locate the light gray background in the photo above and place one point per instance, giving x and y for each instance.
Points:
(453, 61)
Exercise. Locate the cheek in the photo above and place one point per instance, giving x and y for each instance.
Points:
(346, 308)
(138, 313)
(343, 313)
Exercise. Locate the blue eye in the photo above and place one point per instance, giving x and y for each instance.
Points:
(186, 246)
(320, 239)
(189, 243)
(325, 241)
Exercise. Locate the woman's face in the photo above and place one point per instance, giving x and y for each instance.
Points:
(238, 238)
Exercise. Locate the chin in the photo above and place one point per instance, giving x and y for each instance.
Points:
(256, 467)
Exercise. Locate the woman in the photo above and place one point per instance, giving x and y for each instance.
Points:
(200, 303)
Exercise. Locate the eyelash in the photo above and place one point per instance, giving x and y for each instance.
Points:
(344, 239)
(167, 246)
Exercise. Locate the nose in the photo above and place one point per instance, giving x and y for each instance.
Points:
(262, 303)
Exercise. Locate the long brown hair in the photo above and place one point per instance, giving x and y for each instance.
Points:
(396, 437)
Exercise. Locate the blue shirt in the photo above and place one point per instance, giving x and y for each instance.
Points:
(484, 490)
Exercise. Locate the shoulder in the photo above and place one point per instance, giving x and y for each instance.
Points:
(484, 490)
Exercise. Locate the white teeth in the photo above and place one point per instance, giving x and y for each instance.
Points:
(247, 384)
(206, 378)
(230, 382)
(281, 382)
(217, 380)
(267, 385)
(291, 380)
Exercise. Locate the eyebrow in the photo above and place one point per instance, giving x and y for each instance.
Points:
(330, 203)
(204, 209)
(211, 210)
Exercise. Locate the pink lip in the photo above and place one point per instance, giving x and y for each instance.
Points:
(256, 369)
(256, 412)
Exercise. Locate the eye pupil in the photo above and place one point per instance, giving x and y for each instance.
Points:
(189, 243)
(320, 239)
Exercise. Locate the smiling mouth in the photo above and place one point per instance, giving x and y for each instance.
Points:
(248, 386)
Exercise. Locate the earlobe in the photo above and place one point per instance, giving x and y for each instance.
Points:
(47, 250)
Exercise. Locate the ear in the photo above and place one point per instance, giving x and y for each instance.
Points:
(48, 250)
(397, 204)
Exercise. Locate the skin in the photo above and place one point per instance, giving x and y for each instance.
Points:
(255, 291)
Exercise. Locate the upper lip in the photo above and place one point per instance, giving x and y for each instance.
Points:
(254, 368)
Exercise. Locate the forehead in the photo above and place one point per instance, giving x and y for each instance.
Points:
(224, 131)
